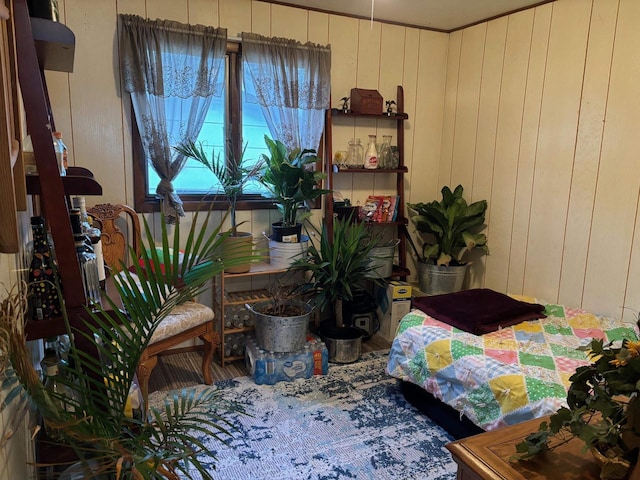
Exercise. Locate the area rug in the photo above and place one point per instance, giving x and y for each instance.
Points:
(352, 423)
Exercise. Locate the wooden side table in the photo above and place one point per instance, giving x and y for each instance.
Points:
(486, 457)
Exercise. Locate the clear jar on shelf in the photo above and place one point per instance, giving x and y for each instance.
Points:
(355, 154)
(384, 153)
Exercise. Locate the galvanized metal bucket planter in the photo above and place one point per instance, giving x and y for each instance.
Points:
(276, 333)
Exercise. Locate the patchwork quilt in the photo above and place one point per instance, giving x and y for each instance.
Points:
(503, 377)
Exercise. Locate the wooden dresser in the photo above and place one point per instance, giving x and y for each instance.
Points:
(486, 457)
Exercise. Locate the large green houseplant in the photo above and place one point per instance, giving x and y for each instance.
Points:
(163, 443)
(338, 267)
(603, 411)
(452, 229)
(291, 180)
(232, 172)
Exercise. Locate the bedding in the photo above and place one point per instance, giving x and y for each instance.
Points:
(478, 310)
(504, 377)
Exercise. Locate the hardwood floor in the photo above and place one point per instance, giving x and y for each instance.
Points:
(185, 369)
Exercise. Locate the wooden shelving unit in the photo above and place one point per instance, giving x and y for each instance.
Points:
(225, 296)
(400, 270)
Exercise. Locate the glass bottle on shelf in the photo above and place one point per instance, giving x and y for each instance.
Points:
(355, 153)
(50, 354)
(86, 259)
(371, 155)
(63, 149)
(58, 147)
(60, 389)
(384, 153)
(94, 235)
(44, 300)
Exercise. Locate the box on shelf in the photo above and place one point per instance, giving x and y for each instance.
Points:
(270, 368)
(366, 101)
(394, 302)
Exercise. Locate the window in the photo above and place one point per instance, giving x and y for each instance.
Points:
(195, 183)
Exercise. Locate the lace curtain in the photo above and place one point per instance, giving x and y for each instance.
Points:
(292, 83)
(171, 70)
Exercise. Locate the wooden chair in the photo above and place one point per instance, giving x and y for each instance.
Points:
(188, 321)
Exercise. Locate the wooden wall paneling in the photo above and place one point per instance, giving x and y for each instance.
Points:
(468, 99)
(392, 45)
(235, 16)
(425, 106)
(133, 7)
(508, 132)
(367, 76)
(168, 10)
(368, 67)
(610, 248)
(409, 82)
(450, 108)
(528, 145)
(427, 110)
(318, 28)
(484, 165)
(244, 217)
(631, 306)
(556, 146)
(204, 12)
(261, 222)
(260, 19)
(588, 147)
(289, 22)
(392, 59)
(96, 109)
(343, 37)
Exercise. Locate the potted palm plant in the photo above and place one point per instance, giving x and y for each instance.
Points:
(292, 183)
(232, 173)
(338, 268)
(95, 421)
(451, 228)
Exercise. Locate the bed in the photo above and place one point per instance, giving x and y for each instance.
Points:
(517, 371)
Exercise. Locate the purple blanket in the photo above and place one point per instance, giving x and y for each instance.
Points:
(478, 310)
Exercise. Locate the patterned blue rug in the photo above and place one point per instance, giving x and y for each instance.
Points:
(352, 423)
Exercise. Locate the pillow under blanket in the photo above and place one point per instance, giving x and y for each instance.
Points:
(479, 310)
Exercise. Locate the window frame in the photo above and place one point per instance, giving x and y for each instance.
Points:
(149, 203)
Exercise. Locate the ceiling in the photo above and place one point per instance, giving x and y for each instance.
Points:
(443, 15)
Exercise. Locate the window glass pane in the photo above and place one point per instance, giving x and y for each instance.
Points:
(254, 128)
(197, 179)
(194, 177)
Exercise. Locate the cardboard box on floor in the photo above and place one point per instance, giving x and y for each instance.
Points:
(394, 302)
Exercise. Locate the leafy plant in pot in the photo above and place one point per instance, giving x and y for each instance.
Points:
(452, 228)
(282, 321)
(338, 269)
(292, 183)
(232, 173)
(161, 442)
(603, 411)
